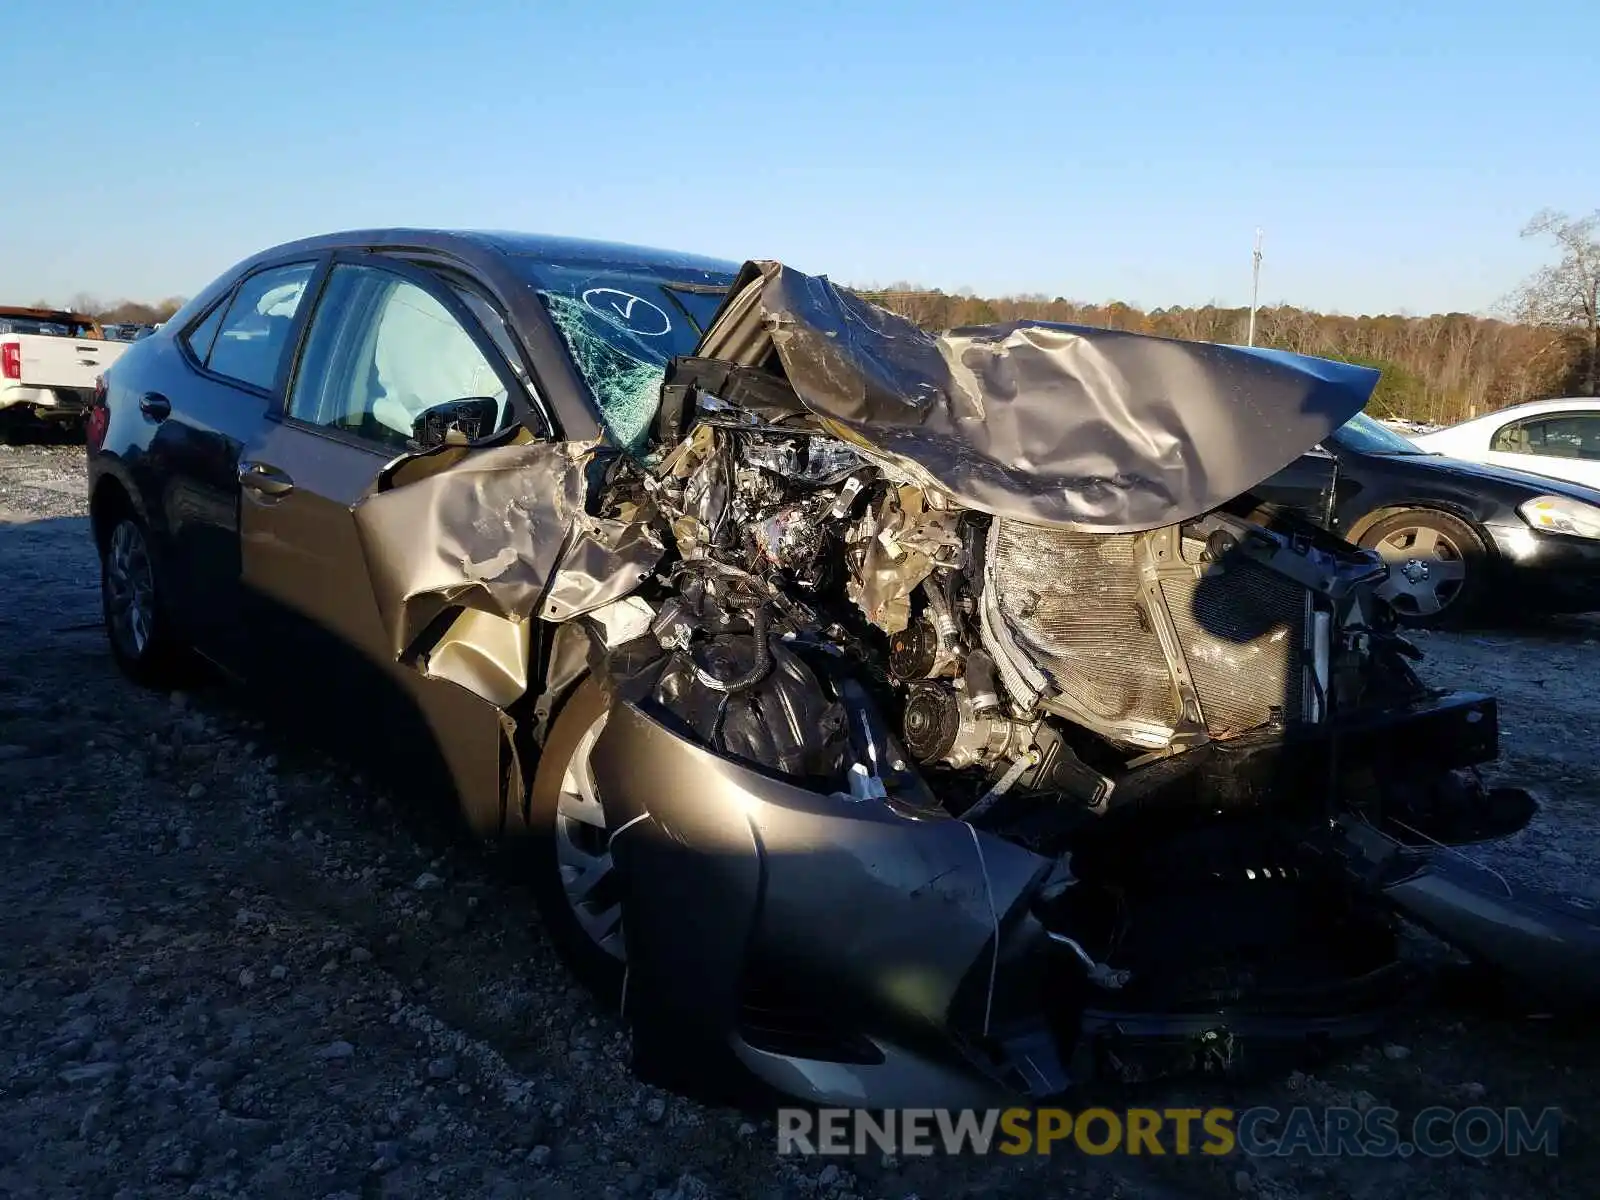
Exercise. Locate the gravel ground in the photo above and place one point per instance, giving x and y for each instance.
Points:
(231, 968)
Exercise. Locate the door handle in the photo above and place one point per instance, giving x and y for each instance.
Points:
(264, 478)
(155, 406)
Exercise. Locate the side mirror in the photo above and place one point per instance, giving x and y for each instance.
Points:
(455, 422)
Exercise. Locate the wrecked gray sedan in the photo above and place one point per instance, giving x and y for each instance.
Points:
(894, 719)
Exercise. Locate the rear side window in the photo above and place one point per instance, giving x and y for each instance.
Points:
(1575, 435)
(199, 338)
(254, 333)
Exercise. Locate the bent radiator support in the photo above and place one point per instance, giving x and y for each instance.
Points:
(1092, 610)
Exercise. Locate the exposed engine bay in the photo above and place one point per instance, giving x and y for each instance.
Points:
(1012, 660)
(966, 709)
(1144, 710)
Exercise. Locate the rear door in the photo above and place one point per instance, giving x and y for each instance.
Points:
(1562, 445)
(211, 398)
(385, 341)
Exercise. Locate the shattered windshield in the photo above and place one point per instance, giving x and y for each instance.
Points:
(622, 326)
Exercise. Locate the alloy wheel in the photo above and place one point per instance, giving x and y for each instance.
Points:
(130, 590)
(1427, 570)
(583, 851)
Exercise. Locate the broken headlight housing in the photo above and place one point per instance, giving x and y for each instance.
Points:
(1558, 514)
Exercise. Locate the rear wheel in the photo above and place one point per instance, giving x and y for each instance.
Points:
(1438, 566)
(575, 883)
(137, 625)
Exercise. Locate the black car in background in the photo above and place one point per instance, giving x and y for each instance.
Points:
(1462, 539)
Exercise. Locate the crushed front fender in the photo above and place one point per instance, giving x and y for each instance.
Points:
(870, 916)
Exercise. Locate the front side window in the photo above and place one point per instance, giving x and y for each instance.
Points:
(1574, 435)
(252, 337)
(381, 350)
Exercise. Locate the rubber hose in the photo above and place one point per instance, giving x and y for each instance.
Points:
(755, 674)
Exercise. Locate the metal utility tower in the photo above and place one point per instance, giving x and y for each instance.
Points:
(1255, 289)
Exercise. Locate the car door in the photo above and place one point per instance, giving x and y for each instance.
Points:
(1304, 487)
(208, 399)
(385, 341)
(1562, 445)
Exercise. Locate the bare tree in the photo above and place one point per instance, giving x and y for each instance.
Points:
(136, 312)
(1567, 294)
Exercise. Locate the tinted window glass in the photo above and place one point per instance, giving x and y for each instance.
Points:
(199, 338)
(1573, 435)
(254, 334)
(380, 351)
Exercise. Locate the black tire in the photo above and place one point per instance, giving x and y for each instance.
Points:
(147, 650)
(1439, 567)
(553, 842)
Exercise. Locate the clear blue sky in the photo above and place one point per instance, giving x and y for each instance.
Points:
(1392, 151)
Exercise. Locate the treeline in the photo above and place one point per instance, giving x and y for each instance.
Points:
(122, 312)
(1441, 368)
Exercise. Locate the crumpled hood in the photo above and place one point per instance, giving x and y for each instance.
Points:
(1060, 425)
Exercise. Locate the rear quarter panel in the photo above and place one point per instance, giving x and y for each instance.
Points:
(128, 433)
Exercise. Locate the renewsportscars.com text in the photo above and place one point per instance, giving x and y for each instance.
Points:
(1377, 1132)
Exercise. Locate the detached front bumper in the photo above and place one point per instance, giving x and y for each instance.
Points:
(1552, 947)
(1550, 571)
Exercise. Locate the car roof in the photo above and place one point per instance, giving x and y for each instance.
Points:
(493, 257)
(532, 245)
(468, 244)
(1533, 408)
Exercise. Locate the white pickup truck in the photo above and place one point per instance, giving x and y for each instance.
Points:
(49, 363)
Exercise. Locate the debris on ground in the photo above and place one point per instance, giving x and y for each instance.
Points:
(224, 969)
